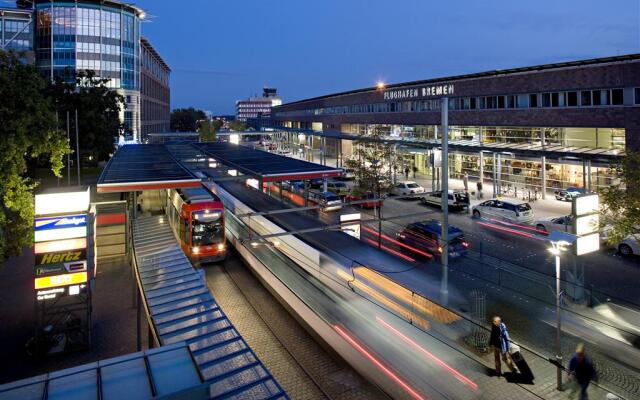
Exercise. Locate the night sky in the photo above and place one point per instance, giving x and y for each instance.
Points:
(222, 51)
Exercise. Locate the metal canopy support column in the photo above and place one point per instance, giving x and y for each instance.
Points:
(481, 172)
(589, 175)
(543, 172)
(444, 289)
(495, 173)
(584, 174)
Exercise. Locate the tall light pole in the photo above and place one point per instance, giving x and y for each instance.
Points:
(556, 248)
(444, 236)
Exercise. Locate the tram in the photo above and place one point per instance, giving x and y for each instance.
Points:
(197, 218)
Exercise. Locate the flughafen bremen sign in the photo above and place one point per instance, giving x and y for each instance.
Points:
(425, 91)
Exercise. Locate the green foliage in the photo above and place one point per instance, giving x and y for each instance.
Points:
(186, 119)
(98, 108)
(621, 201)
(237, 126)
(27, 132)
(370, 164)
(208, 130)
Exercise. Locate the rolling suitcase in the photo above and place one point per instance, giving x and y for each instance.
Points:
(521, 363)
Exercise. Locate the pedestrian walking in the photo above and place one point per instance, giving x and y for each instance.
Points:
(406, 172)
(415, 169)
(479, 192)
(499, 342)
(465, 181)
(581, 373)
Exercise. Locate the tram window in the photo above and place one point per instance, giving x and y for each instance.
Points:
(572, 99)
(617, 97)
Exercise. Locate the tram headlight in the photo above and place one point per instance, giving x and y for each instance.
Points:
(221, 247)
(195, 250)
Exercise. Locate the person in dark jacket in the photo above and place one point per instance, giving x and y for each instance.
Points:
(581, 372)
(499, 342)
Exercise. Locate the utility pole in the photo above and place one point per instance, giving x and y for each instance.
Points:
(68, 154)
(77, 148)
(444, 239)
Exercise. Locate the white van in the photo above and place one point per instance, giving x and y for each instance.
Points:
(504, 210)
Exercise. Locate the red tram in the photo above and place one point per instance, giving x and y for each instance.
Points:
(197, 218)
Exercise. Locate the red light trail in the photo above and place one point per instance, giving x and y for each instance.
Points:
(444, 365)
(390, 250)
(378, 363)
(392, 240)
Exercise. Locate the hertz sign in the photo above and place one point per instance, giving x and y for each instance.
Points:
(60, 233)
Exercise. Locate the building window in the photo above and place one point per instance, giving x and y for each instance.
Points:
(523, 101)
(533, 100)
(585, 98)
(597, 98)
(617, 97)
(546, 99)
(572, 99)
(637, 95)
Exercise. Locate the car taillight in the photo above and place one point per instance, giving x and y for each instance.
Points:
(401, 236)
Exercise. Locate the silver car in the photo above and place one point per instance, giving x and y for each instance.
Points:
(504, 210)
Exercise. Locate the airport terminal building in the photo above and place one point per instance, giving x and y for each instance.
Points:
(548, 126)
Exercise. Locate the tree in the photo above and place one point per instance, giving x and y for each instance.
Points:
(372, 168)
(621, 201)
(27, 131)
(98, 108)
(186, 119)
(237, 126)
(208, 129)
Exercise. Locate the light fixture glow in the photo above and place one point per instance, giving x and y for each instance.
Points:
(60, 280)
(380, 85)
(62, 203)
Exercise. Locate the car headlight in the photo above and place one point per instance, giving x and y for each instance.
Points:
(221, 246)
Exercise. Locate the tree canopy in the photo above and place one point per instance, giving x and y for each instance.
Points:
(98, 108)
(237, 126)
(208, 129)
(370, 163)
(621, 200)
(186, 119)
(27, 131)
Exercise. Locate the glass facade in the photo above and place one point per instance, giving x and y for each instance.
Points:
(79, 36)
(91, 35)
(16, 34)
(603, 138)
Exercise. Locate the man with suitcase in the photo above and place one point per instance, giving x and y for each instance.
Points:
(499, 342)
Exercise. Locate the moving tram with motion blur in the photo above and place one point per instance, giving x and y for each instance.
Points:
(197, 218)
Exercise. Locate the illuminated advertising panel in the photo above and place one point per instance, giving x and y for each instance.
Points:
(60, 234)
(62, 268)
(588, 204)
(62, 203)
(69, 221)
(587, 244)
(587, 224)
(61, 256)
(48, 282)
(53, 293)
(60, 245)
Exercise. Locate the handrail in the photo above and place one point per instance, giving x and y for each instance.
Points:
(142, 296)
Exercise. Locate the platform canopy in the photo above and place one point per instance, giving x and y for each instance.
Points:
(144, 167)
(263, 165)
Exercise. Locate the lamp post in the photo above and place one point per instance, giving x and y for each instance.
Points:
(559, 241)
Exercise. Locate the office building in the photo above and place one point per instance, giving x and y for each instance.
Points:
(63, 37)
(154, 91)
(254, 107)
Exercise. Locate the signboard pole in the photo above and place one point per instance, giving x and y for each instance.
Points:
(444, 244)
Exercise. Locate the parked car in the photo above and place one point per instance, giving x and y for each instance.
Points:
(407, 189)
(550, 224)
(365, 196)
(426, 236)
(329, 201)
(339, 188)
(629, 246)
(504, 210)
(457, 199)
(568, 194)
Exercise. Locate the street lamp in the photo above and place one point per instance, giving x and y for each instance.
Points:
(559, 241)
(380, 85)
